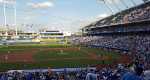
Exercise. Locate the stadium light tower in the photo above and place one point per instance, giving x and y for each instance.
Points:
(15, 16)
(109, 8)
(5, 21)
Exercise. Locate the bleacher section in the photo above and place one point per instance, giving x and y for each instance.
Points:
(135, 14)
(127, 31)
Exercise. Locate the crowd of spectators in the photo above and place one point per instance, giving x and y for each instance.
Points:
(134, 44)
(135, 71)
(138, 13)
(120, 72)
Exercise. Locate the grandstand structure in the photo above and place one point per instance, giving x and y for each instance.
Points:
(135, 14)
(126, 33)
(10, 34)
(128, 30)
(50, 36)
(53, 36)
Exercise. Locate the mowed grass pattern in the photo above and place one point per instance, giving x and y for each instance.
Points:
(59, 54)
(18, 48)
(100, 52)
(55, 58)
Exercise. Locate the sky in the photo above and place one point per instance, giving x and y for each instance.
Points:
(64, 15)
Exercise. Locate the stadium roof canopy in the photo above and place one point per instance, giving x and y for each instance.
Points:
(146, 2)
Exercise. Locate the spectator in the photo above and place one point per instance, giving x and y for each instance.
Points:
(91, 75)
(136, 75)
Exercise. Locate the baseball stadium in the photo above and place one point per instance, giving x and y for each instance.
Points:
(54, 40)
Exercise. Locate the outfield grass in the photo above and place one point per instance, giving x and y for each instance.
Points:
(27, 46)
(101, 52)
(15, 48)
(52, 64)
(43, 57)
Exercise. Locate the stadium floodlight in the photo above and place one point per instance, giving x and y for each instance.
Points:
(5, 21)
(5, 2)
(15, 16)
(13, 2)
(109, 8)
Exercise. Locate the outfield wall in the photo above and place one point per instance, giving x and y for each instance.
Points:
(54, 70)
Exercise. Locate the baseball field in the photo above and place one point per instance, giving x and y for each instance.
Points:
(34, 56)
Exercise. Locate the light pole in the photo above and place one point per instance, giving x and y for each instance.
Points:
(15, 16)
(5, 21)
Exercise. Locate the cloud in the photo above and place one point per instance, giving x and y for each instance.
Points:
(102, 15)
(41, 5)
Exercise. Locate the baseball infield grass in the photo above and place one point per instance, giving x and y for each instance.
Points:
(55, 56)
